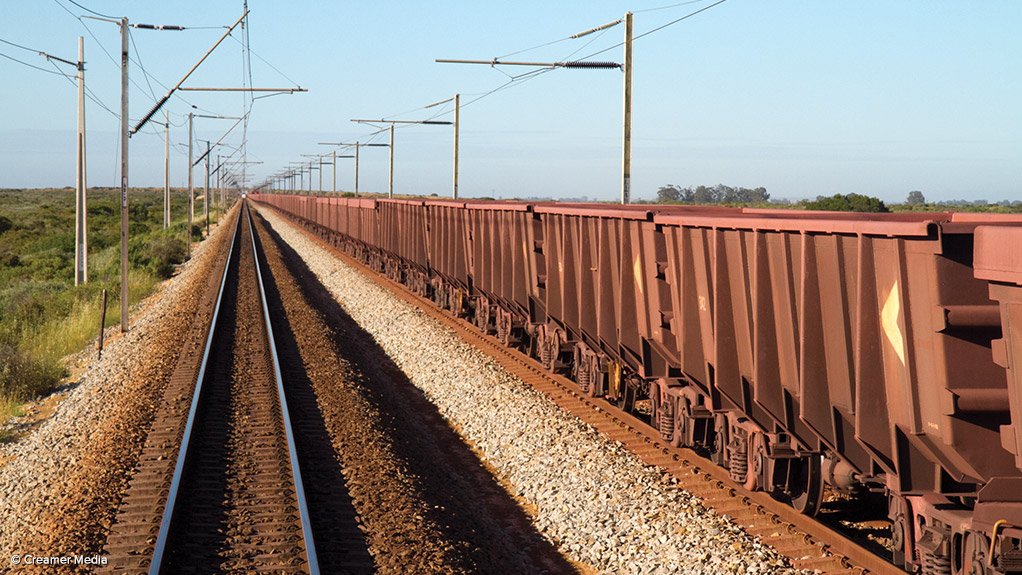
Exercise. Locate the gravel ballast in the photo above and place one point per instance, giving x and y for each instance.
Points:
(596, 501)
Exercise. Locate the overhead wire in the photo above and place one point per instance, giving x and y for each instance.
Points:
(657, 29)
(23, 63)
(532, 74)
(91, 11)
(8, 42)
(138, 62)
(265, 61)
(668, 6)
(102, 47)
(247, 97)
(88, 91)
(536, 47)
(145, 74)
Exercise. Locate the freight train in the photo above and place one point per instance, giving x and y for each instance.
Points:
(869, 352)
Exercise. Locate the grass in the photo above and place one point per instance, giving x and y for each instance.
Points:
(44, 317)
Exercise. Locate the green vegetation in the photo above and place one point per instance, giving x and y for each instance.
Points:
(846, 203)
(43, 315)
(760, 198)
(719, 194)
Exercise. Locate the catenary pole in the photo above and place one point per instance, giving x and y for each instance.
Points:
(81, 205)
(125, 133)
(626, 147)
(205, 191)
(626, 66)
(166, 174)
(191, 185)
(457, 117)
(390, 193)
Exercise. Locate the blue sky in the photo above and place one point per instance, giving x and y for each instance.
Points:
(802, 97)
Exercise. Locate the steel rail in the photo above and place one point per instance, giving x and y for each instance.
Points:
(182, 454)
(162, 539)
(296, 474)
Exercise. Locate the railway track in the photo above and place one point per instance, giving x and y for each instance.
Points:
(807, 543)
(220, 485)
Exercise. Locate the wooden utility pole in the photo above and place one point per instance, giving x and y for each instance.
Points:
(81, 206)
(626, 152)
(125, 134)
(166, 175)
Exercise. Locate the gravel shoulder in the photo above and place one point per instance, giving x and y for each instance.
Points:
(61, 482)
(598, 503)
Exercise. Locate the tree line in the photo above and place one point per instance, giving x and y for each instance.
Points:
(719, 194)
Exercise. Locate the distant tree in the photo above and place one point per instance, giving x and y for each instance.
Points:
(719, 194)
(5, 224)
(915, 198)
(704, 195)
(846, 203)
(668, 194)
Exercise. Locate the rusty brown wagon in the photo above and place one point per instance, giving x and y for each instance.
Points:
(870, 352)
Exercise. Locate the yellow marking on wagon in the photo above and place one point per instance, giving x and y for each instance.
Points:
(889, 320)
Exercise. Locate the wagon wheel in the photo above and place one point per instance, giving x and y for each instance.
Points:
(974, 557)
(806, 484)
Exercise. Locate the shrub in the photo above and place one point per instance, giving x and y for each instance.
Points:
(846, 203)
(165, 252)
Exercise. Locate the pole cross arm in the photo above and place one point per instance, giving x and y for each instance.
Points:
(353, 144)
(567, 64)
(157, 27)
(62, 61)
(283, 90)
(427, 122)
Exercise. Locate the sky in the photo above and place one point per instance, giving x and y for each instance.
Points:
(804, 98)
